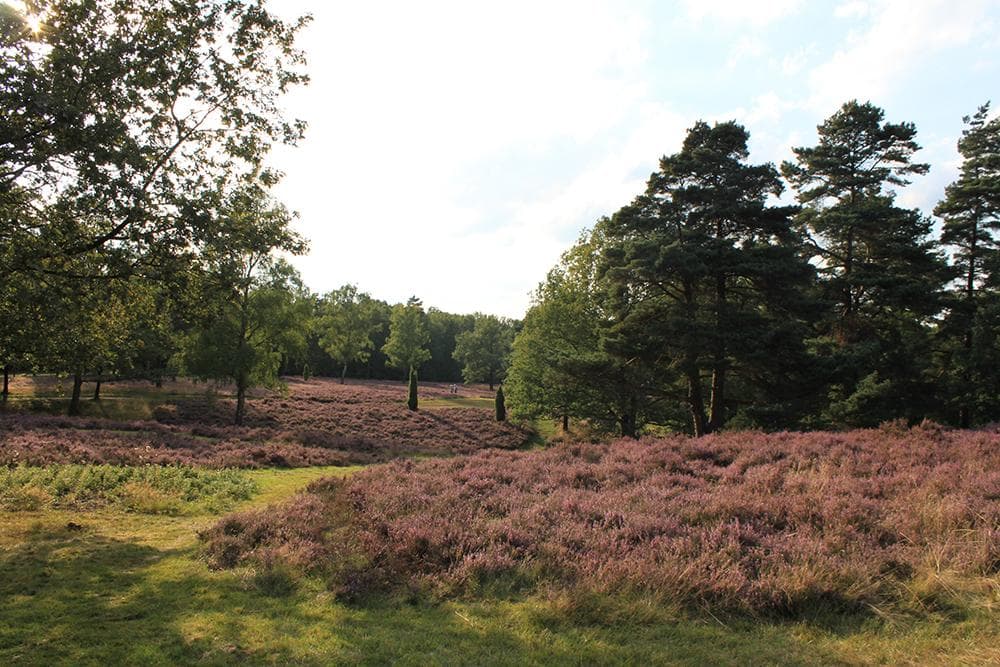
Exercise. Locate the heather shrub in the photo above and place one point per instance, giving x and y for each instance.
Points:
(318, 423)
(747, 522)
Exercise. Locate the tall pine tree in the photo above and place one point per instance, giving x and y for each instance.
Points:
(880, 271)
(971, 213)
(707, 273)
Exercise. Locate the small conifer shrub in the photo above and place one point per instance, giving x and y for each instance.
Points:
(500, 405)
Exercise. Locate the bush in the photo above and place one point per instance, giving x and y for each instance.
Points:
(27, 498)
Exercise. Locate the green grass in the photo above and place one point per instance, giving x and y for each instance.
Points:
(144, 489)
(457, 402)
(110, 587)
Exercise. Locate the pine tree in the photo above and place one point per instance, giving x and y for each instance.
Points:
(704, 271)
(971, 212)
(881, 273)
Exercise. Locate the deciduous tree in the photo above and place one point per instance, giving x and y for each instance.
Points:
(484, 352)
(254, 305)
(121, 117)
(347, 321)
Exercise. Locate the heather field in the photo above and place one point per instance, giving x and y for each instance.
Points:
(314, 423)
(167, 536)
(875, 521)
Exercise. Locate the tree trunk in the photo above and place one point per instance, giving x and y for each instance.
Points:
(695, 403)
(565, 423)
(6, 382)
(491, 380)
(717, 407)
(627, 423)
(965, 413)
(74, 401)
(97, 386)
(718, 393)
(241, 401)
(343, 373)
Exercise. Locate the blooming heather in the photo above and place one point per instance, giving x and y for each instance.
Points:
(742, 521)
(318, 423)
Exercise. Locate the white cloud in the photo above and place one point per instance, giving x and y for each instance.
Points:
(900, 37)
(756, 12)
(746, 48)
(852, 9)
(796, 61)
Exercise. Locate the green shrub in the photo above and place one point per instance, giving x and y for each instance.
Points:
(25, 499)
(501, 407)
(145, 489)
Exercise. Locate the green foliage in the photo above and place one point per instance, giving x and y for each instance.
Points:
(705, 275)
(347, 321)
(254, 306)
(880, 272)
(142, 489)
(411, 393)
(500, 405)
(971, 212)
(408, 338)
(561, 364)
(142, 108)
(444, 328)
(484, 351)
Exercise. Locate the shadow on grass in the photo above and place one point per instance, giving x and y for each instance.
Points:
(70, 595)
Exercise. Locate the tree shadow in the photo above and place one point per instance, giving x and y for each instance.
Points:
(75, 596)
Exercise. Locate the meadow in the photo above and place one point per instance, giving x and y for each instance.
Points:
(166, 540)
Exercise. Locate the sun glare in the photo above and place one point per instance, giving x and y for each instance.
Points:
(34, 22)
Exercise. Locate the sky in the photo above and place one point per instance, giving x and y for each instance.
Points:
(456, 149)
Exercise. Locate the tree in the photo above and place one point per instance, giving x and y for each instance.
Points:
(20, 305)
(563, 365)
(254, 305)
(880, 270)
(484, 352)
(444, 328)
(408, 337)
(971, 212)
(122, 117)
(500, 405)
(347, 321)
(706, 274)
(558, 331)
(88, 326)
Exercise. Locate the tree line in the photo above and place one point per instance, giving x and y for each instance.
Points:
(713, 301)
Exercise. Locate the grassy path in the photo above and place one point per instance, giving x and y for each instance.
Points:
(81, 588)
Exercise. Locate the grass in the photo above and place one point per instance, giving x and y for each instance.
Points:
(457, 402)
(106, 586)
(144, 489)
